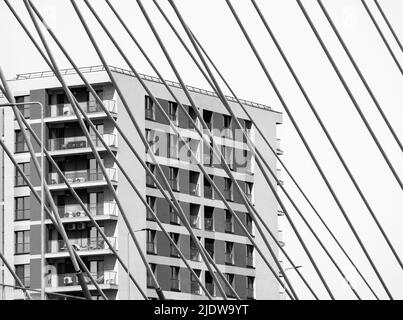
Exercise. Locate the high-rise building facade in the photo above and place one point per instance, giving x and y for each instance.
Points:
(217, 230)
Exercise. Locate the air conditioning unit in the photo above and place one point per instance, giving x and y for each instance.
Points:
(67, 214)
(68, 280)
(71, 226)
(81, 226)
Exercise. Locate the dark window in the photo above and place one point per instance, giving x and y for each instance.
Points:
(151, 247)
(19, 181)
(229, 252)
(22, 242)
(230, 279)
(194, 284)
(20, 144)
(24, 109)
(149, 109)
(173, 112)
(175, 283)
(150, 282)
(23, 272)
(173, 178)
(175, 238)
(229, 225)
(151, 203)
(22, 208)
(250, 287)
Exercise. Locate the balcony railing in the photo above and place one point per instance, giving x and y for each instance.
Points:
(193, 189)
(99, 209)
(65, 110)
(78, 142)
(83, 244)
(229, 258)
(175, 284)
(208, 192)
(82, 176)
(209, 224)
(70, 279)
(195, 288)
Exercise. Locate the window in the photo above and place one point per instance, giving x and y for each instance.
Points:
(152, 140)
(151, 247)
(250, 287)
(174, 216)
(22, 208)
(173, 146)
(194, 210)
(228, 189)
(230, 278)
(227, 153)
(149, 179)
(25, 167)
(150, 282)
(248, 128)
(22, 242)
(173, 178)
(194, 284)
(208, 189)
(24, 109)
(209, 246)
(194, 251)
(208, 218)
(149, 109)
(23, 272)
(175, 283)
(248, 190)
(175, 237)
(229, 252)
(227, 126)
(96, 204)
(20, 145)
(173, 112)
(229, 226)
(151, 203)
(249, 256)
(209, 283)
(249, 223)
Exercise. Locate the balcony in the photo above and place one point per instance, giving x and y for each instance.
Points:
(194, 189)
(82, 176)
(70, 279)
(82, 244)
(208, 224)
(79, 142)
(195, 288)
(71, 211)
(90, 107)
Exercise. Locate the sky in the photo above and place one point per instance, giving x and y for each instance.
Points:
(212, 22)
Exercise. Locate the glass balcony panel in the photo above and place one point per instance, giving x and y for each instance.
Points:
(65, 110)
(82, 176)
(208, 224)
(85, 244)
(78, 142)
(195, 288)
(194, 189)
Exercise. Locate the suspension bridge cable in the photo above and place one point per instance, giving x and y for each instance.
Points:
(253, 149)
(95, 153)
(364, 119)
(378, 29)
(389, 24)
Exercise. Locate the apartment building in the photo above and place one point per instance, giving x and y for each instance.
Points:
(217, 230)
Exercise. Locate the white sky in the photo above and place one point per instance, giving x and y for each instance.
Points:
(213, 23)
